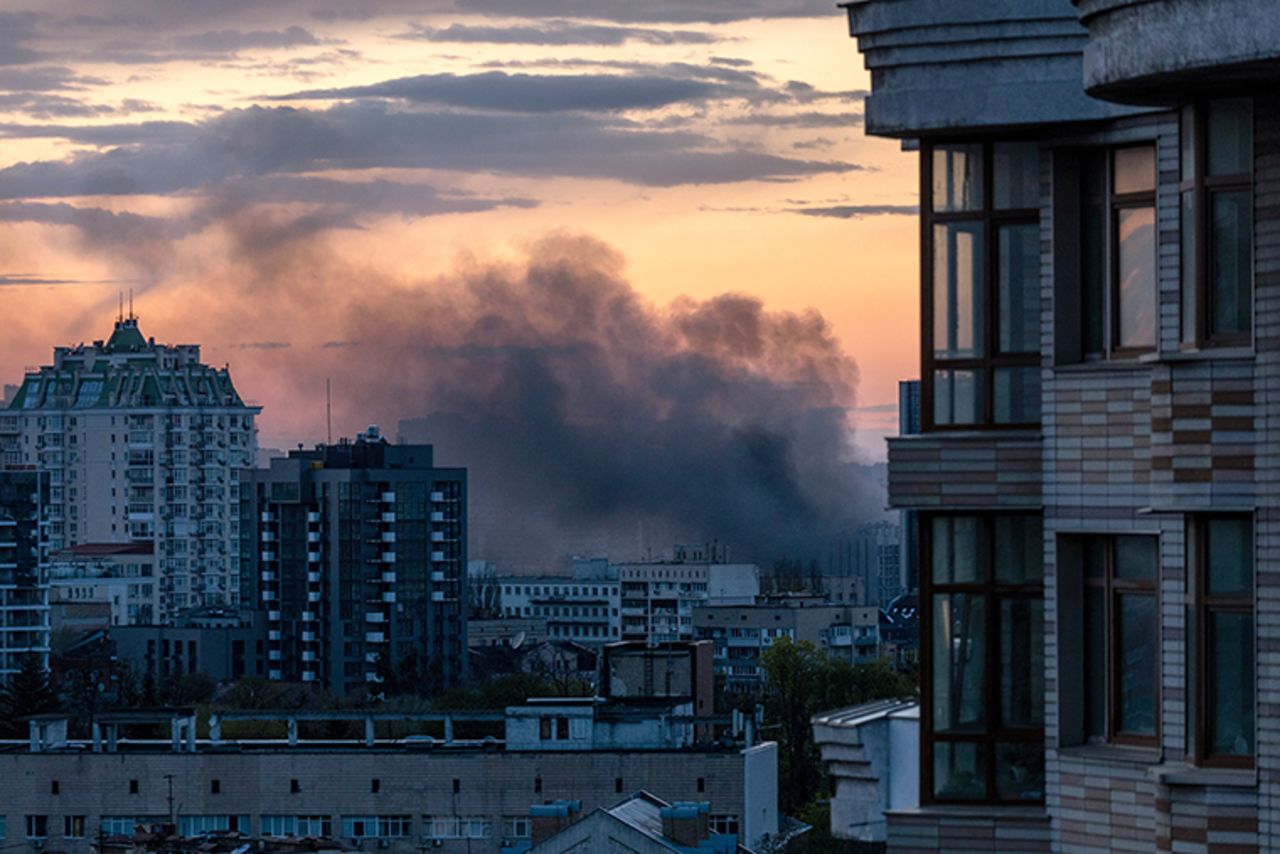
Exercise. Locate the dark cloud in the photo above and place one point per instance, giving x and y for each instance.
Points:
(22, 280)
(17, 29)
(263, 345)
(732, 62)
(653, 11)
(234, 41)
(556, 33)
(256, 142)
(858, 211)
(821, 143)
(542, 93)
(797, 120)
(130, 48)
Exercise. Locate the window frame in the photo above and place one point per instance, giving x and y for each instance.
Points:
(1113, 589)
(991, 220)
(1203, 605)
(1202, 186)
(1117, 203)
(993, 592)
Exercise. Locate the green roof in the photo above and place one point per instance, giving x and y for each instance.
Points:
(126, 338)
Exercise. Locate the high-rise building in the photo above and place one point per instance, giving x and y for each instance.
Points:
(357, 554)
(141, 442)
(909, 425)
(24, 585)
(873, 554)
(1096, 476)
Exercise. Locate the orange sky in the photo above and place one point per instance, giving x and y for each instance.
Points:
(679, 237)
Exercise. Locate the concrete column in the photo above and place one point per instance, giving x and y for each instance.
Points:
(448, 730)
(215, 729)
(293, 732)
(368, 731)
(97, 737)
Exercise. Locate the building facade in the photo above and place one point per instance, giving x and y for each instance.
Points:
(95, 585)
(582, 609)
(356, 553)
(24, 583)
(742, 633)
(141, 442)
(872, 553)
(658, 598)
(1095, 476)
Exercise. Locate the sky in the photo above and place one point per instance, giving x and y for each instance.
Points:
(410, 198)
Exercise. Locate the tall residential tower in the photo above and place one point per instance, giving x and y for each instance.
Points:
(141, 442)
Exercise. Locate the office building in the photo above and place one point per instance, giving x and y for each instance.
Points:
(356, 554)
(1095, 476)
(141, 442)
(580, 607)
(24, 584)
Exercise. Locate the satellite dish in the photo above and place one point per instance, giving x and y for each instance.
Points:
(517, 641)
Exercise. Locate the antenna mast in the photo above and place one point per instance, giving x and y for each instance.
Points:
(328, 410)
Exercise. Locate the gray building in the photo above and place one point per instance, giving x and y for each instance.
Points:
(141, 442)
(1096, 474)
(375, 792)
(872, 553)
(356, 554)
(24, 584)
(225, 646)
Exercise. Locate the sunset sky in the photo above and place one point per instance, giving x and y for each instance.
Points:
(283, 181)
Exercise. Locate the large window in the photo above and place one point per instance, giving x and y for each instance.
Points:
(1222, 689)
(983, 679)
(1120, 637)
(1217, 223)
(982, 284)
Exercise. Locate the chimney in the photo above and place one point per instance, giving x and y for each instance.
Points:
(550, 819)
(686, 824)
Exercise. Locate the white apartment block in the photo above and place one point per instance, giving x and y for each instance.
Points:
(578, 609)
(107, 584)
(142, 442)
(658, 599)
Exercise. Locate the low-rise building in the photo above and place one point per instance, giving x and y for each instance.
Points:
(658, 598)
(222, 644)
(95, 585)
(512, 632)
(400, 794)
(581, 609)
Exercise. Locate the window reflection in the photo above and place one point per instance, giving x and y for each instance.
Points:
(1136, 270)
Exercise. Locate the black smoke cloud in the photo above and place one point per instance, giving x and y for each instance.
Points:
(590, 419)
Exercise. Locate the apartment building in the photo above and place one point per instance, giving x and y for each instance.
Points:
(24, 583)
(581, 607)
(873, 553)
(356, 553)
(141, 442)
(1096, 473)
(742, 633)
(658, 598)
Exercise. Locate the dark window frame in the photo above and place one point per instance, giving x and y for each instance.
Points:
(1113, 589)
(993, 591)
(1194, 118)
(991, 220)
(1203, 606)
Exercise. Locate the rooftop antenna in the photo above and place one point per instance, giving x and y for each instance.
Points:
(120, 313)
(328, 410)
(132, 316)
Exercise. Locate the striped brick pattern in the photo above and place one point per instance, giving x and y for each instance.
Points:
(941, 471)
(961, 832)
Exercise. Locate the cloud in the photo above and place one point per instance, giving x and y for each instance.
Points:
(211, 44)
(797, 120)
(556, 33)
(653, 11)
(255, 142)
(16, 30)
(263, 345)
(541, 93)
(858, 211)
(21, 280)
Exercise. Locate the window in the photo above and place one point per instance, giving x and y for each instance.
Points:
(73, 826)
(375, 785)
(1216, 200)
(133, 787)
(198, 825)
(982, 634)
(724, 824)
(537, 785)
(1118, 648)
(37, 826)
(463, 827)
(1105, 231)
(215, 787)
(457, 785)
(1221, 714)
(516, 827)
(982, 284)
(124, 825)
(294, 786)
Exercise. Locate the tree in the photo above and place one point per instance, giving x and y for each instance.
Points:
(27, 693)
(800, 682)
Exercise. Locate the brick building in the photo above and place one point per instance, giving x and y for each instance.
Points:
(1097, 473)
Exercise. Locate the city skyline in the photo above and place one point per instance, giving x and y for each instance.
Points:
(277, 184)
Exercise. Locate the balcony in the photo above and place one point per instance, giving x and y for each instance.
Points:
(388, 518)
(1142, 52)
(375, 617)
(388, 578)
(375, 637)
